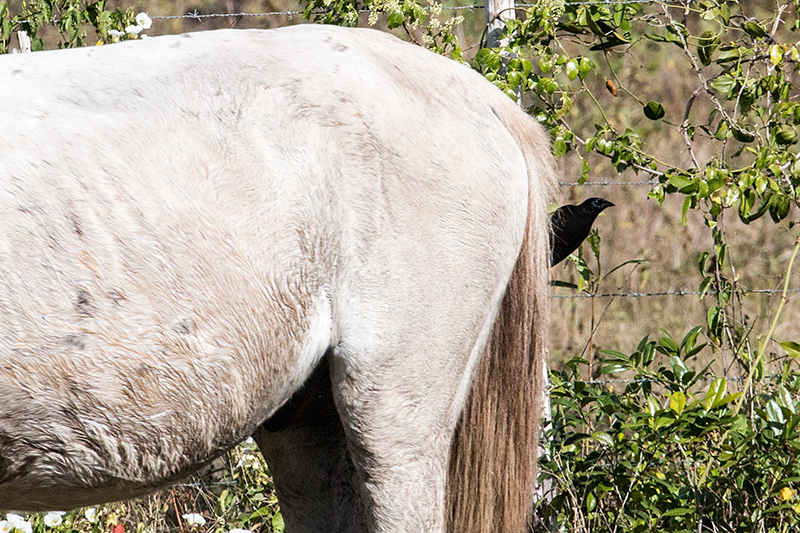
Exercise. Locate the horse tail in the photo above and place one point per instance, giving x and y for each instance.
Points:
(492, 470)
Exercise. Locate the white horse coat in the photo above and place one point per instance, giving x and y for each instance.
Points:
(191, 225)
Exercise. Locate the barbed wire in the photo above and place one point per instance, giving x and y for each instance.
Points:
(633, 294)
(734, 379)
(606, 183)
(199, 16)
(471, 7)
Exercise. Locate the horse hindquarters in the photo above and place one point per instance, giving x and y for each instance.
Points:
(434, 231)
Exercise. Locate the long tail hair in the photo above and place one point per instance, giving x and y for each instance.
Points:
(492, 469)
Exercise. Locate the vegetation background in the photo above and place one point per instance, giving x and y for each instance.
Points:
(671, 412)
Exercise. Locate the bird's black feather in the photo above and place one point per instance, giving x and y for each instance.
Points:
(570, 225)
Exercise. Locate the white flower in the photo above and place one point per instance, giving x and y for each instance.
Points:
(115, 35)
(16, 522)
(133, 30)
(53, 518)
(144, 36)
(91, 514)
(144, 21)
(238, 530)
(5, 527)
(194, 519)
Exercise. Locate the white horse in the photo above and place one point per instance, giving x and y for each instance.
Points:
(192, 227)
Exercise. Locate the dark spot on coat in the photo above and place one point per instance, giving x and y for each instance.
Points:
(75, 341)
(145, 370)
(76, 225)
(115, 296)
(83, 304)
(185, 326)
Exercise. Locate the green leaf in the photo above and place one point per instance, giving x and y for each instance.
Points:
(792, 348)
(603, 437)
(754, 30)
(785, 399)
(262, 512)
(591, 502)
(667, 345)
(724, 84)
(613, 368)
(778, 207)
(678, 367)
(571, 69)
(774, 412)
(785, 135)
(652, 406)
(701, 263)
(395, 20)
(687, 203)
(677, 401)
(725, 400)
(653, 110)
(722, 131)
(677, 512)
(743, 133)
(584, 66)
(585, 172)
(678, 181)
(594, 242)
(715, 391)
(706, 46)
(559, 147)
(674, 33)
(691, 337)
(278, 525)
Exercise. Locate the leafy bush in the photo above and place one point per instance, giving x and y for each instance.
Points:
(673, 450)
(71, 19)
(235, 494)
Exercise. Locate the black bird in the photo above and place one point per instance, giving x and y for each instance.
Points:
(570, 225)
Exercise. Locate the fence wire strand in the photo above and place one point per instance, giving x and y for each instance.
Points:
(633, 294)
(199, 16)
(606, 183)
(734, 379)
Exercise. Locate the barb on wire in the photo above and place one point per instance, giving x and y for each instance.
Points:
(633, 294)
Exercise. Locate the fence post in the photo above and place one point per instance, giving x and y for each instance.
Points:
(497, 11)
(24, 42)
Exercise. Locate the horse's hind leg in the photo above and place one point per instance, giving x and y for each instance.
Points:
(305, 448)
(399, 405)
